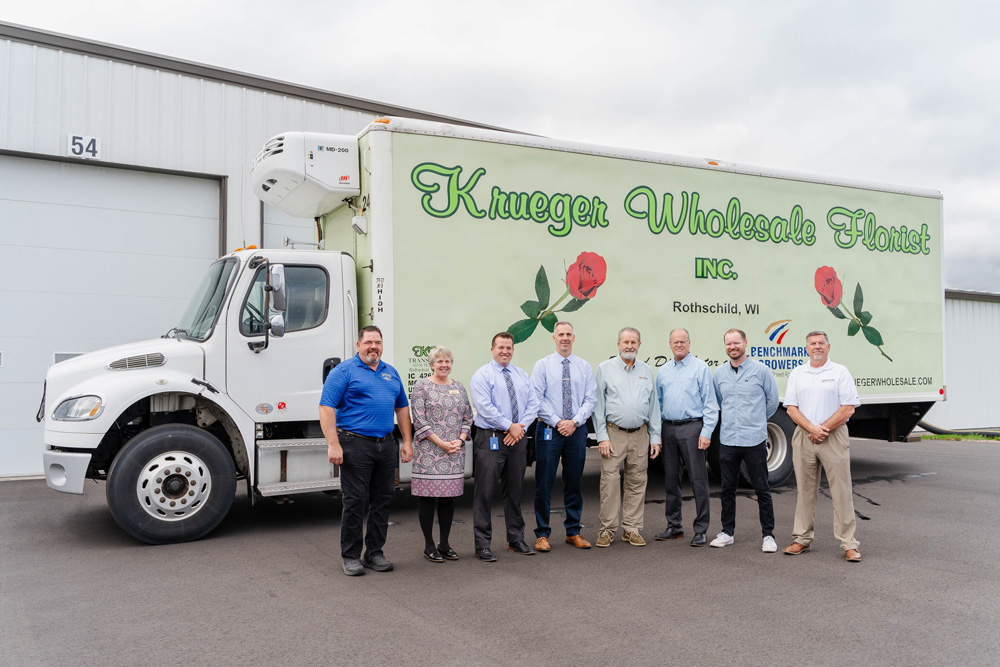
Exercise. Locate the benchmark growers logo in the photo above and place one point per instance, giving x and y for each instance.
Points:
(780, 329)
(779, 357)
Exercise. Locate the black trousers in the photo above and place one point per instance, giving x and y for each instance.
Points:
(503, 467)
(367, 479)
(680, 444)
(755, 459)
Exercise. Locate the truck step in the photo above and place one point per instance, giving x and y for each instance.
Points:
(292, 443)
(286, 488)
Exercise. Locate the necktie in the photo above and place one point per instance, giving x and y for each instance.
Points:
(512, 394)
(567, 406)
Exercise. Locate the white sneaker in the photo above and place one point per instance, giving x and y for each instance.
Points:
(769, 547)
(723, 540)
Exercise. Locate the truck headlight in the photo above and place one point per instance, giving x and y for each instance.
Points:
(79, 409)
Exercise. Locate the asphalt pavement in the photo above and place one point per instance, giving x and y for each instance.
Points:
(266, 587)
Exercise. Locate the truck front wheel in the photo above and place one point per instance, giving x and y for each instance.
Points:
(172, 483)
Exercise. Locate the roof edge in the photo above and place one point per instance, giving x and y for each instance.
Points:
(29, 35)
(971, 295)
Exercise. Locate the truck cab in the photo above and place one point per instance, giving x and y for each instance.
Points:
(230, 393)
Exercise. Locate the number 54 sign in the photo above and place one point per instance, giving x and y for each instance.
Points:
(84, 147)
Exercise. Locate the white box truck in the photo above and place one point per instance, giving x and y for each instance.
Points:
(446, 235)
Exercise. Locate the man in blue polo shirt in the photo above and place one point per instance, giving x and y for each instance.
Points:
(356, 411)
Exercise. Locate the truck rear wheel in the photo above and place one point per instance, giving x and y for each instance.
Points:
(779, 449)
(172, 483)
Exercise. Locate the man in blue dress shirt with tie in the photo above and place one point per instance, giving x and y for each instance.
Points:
(505, 404)
(567, 393)
(748, 395)
(690, 412)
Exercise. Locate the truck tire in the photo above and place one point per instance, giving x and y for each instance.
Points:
(779, 449)
(171, 483)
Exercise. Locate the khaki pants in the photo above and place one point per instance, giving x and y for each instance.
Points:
(632, 449)
(834, 455)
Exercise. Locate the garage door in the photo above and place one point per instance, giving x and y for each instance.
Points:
(89, 257)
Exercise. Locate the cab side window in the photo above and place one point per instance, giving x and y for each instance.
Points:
(307, 289)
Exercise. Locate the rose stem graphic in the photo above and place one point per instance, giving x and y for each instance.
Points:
(855, 319)
(861, 325)
(554, 306)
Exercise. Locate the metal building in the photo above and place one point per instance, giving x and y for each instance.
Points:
(123, 174)
(972, 323)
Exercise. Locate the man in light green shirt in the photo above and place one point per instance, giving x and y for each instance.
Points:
(627, 421)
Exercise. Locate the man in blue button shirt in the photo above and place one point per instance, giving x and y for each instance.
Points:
(690, 412)
(567, 393)
(505, 404)
(748, 394)
(356, 411)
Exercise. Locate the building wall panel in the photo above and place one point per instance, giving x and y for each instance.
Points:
(970, 371)
(154, 118)
(97, 82)
(47, 101)
(122, 124)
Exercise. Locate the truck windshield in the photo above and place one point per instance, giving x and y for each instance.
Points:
(201, 313)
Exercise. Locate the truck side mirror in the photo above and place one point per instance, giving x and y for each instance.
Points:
(277, 325)
(278, 296)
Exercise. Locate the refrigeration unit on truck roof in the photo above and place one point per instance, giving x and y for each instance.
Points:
(306, 174)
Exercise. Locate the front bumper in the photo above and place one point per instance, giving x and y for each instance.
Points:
(65, 471)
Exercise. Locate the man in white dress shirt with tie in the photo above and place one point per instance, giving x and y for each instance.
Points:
(505, 404)
(567, 393)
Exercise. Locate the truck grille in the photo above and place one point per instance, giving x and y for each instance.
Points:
(138, 361)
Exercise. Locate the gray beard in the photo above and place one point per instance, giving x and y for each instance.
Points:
(628, 356)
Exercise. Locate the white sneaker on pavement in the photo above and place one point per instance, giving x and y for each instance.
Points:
(769, 546)
(723, 540)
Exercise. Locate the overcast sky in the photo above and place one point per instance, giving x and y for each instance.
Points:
(898, 92)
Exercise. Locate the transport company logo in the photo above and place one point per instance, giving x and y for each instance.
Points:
(780, 329)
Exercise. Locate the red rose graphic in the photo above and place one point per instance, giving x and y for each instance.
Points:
(828, 285)
(589, 272)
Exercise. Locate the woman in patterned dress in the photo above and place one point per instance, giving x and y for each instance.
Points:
(442, 421)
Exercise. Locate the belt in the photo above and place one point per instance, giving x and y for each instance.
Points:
(366, 437)
(678, 422)
(626, 430)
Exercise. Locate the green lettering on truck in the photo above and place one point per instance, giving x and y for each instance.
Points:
(456, 193)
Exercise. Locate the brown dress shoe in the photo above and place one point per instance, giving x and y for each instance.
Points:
(853, 555)
(542, 544)
(577, 541)
(795, 549)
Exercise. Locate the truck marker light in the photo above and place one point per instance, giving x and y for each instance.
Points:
(383, 120)
(713, 162)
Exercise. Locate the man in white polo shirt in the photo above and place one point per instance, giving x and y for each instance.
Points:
(820, 398)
